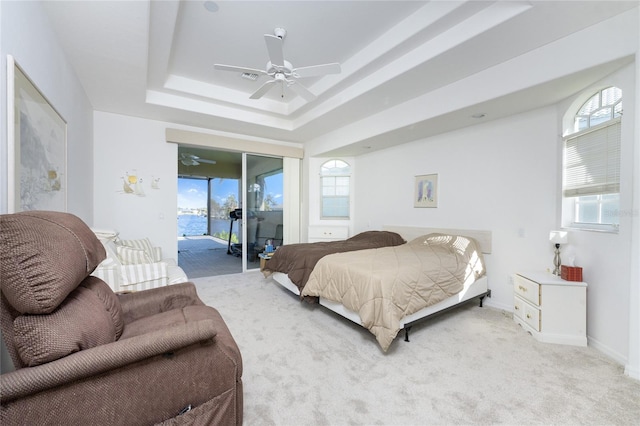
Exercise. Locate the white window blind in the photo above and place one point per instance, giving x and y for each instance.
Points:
(592, 162)
(335, 184)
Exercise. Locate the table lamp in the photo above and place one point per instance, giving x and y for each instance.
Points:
(557, 238)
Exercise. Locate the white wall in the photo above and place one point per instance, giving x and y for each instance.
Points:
(498, 176)
(25, 33)
(137, 146)
(633, 365)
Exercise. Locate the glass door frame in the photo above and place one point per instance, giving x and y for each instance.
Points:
(245, 204)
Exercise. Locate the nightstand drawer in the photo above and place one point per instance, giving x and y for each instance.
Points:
(518, 307)
(529, 290)
(532, 316)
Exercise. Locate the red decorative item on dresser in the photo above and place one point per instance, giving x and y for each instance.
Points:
(571, 273)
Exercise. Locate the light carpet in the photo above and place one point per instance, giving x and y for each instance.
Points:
(304, 365)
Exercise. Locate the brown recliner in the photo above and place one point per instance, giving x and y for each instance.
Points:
(84, 355)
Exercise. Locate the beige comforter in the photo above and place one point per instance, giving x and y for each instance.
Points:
(386, 284)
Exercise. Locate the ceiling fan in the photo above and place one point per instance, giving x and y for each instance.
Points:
(282, 72)
(193, 160)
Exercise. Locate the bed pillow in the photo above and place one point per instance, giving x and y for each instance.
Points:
(380, 237)
(80, 322)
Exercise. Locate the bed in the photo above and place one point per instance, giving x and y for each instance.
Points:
(389, 289)
(298, 260)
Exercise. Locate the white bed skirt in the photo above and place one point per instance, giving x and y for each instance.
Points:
(470, 291)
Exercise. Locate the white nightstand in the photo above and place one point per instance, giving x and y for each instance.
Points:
(327, 233)
(551, 309)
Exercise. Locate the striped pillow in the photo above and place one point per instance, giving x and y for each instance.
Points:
(141, 244)
(143, 276)
(132, 256)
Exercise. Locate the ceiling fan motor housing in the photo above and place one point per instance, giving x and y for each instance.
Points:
(287, 69)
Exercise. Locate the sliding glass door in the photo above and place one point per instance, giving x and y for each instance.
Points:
(263, 202)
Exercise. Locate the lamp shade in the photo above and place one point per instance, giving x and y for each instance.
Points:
(558, 237)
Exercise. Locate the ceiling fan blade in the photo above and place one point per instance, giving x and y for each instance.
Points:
(263, 89)
(202, 160)
(302, 91)
(193, 160)
(274, 47)
(238, 69)
(317, 70)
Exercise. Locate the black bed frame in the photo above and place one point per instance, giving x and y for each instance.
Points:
(407, 327)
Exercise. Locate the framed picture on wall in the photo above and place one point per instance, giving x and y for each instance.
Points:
(37, 147)
(425, 193)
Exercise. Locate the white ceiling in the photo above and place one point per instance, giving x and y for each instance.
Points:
(154, 59)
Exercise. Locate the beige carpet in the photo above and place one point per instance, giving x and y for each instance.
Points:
(304, 365)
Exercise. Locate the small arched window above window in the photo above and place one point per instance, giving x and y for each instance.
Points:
(335, 177)
(603, 106)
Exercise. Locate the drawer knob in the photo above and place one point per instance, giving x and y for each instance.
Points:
(523, 289)
(517, 308)
(528, 316)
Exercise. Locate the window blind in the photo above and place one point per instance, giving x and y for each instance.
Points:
(592, 162)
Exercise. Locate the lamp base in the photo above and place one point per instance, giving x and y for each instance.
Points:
(556, 261)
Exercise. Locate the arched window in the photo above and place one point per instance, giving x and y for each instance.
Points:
(591, 164)
(601, 107)
(335, 176)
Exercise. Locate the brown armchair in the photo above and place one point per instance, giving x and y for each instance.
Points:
(84, 355)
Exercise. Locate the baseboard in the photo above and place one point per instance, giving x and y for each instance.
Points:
(632, 372)
(497, 305)
(617, 357)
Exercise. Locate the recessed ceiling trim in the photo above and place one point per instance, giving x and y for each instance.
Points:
(407, 28)
(223, 94)
(485, 87)
(465, 30)
(162, 25)
(209, 140)
(427, 15)
(203, 107)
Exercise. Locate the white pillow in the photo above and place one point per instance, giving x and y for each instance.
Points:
(141, 244)
(110, 249)
(132, 256)
(106, 234)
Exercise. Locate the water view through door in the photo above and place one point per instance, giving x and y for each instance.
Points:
(204, 225)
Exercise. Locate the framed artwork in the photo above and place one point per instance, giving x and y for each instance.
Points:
(37, 147)
(425, 193)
